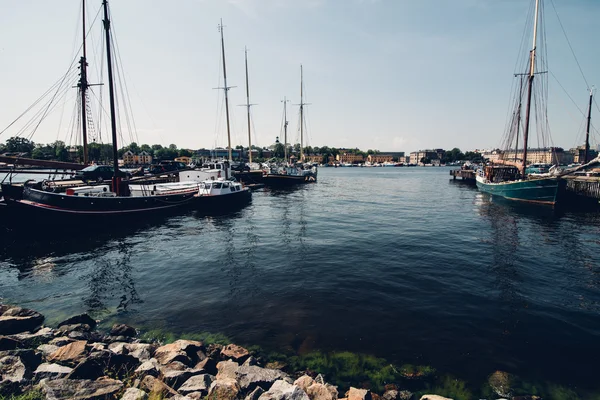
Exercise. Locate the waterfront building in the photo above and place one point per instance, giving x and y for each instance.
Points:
(184, 159)
(579, 154)
(545, 155)
(129, 158)
(349, 158)
(417, 156)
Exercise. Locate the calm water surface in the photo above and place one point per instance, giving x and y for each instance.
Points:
(401, 263)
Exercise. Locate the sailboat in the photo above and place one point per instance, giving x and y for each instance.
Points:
(288, 174)
(508, 178)
(99, 201)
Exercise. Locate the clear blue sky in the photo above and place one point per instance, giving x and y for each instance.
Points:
(391, 75)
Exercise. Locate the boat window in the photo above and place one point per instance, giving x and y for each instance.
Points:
(225, 184)
(206, 185)
(217, 185)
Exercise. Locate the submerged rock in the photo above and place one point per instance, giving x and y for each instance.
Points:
(79, 319)
(123, 330)
(80, 389)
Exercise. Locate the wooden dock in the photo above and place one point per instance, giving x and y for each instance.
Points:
(583, 187)
(466, 175)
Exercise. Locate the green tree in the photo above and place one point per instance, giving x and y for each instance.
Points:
(19, 145)
(185, 153)
(278, 151)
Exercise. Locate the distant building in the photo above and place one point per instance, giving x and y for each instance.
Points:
(579, 154)
(136, 159)
(184, 159)
(315, 158)
(349, 158)
(546, 155)
(417, 156)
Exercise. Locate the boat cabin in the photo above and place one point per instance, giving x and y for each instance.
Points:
(499, 173)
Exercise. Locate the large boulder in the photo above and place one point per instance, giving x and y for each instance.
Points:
(80, 389)
(209, 365)
(70, 354)
(17, 320)
(29, 357)
(224, 389)
(51, 371)
(104, 363)
(199, 383)
(47, 349)
(251, 377)
(282, 390)
(255, 394)
(185, 351)
(141, 351)
(79, 319)
(149, 367)
(235, 353)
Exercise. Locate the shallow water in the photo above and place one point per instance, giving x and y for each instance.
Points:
(401, 263)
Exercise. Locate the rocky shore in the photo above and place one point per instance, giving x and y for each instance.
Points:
(75, 361)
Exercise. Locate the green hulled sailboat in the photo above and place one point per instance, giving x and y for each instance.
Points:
(509, 178)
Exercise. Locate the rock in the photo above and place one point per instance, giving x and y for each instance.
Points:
(12, 369)
(29, 357)
(175, 378)
(134, 394)
(255, 394)
(405, 395)
(223, 389)
(51, 371)
(79, 319)
(199, 383)
(251, 377)
(123, 330)
(70, 354)
(118, 347)
(282, 390)
(77, 335)
(500, 383)
(80, 389)
(318, 391)
(174, 366)
(150, 367)
(250, 361)
(97, 346)
(358, 394)
(8, 343)
(47, 349)
(209, 365)
(17, 320)
(214, 351)
(227, 370)
(42, 336)
(276, 365)
(304, 382)
(180, 350)
(433, 397)
(66, 329)
(103, 363)
(390, 395)
(141, 351)
(234, 352)
(61, 341)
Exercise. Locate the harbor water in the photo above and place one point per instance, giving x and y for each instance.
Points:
(400, 263)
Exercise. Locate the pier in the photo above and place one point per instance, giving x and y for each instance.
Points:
(467, 175)
(583, 187)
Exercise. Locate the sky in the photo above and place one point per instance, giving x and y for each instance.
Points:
(391, 75)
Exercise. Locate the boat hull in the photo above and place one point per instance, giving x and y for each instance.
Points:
(539, 191)
(279, 180)
(249, 177)
(222, 203)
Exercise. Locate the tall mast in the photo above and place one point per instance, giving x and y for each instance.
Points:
(111, 91)
(519, 118)
(587, 130)
(247, 105)
(226, 88)
(83, 85)
(285, 124)
(530, 86)
(301, 119)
